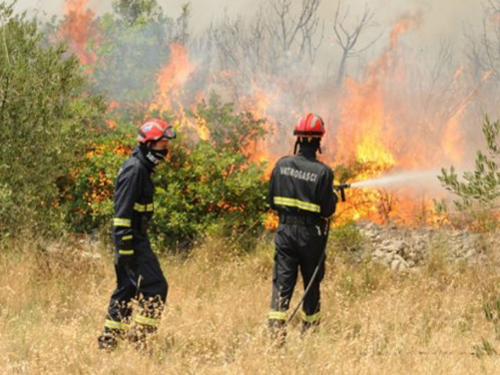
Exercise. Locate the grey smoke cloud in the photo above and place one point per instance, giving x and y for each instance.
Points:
(442, 18)
(439, 20)
(416, 108)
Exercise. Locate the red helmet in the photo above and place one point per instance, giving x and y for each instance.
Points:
(310, 125)
(154, 130)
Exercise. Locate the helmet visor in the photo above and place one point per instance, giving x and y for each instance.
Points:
(169, 133)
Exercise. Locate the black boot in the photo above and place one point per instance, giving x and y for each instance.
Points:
(146, 322)
(277, 332)
(108, 341)
(309, 327)
(139, 335)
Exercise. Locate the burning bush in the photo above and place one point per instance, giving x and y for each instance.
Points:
(213, 182)
(206, 185)
(87, 192)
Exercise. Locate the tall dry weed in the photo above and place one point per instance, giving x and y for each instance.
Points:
(52, 306)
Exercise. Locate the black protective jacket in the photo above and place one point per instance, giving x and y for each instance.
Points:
(133, 205)
(302, 186)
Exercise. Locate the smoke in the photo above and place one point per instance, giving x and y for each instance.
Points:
(238, 51)
(45, 9)
(443, 18)
(408, 96)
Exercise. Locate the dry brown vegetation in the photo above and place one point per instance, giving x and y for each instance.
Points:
(52, 306)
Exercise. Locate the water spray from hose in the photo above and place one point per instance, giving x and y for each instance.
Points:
(416, 178)
(399, 178)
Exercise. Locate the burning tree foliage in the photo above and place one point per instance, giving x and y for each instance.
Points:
(399, 111)
(213, 184)
(206, 185)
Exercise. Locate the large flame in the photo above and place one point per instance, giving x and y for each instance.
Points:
(77, 30)
(258, 104)
(368, 132)
(369, 137)
(172, 78)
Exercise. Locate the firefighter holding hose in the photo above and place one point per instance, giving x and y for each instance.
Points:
(301, 192)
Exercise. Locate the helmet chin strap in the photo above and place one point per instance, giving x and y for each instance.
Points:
(154, 156)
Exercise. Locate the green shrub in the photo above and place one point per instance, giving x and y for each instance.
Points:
(45, 116)
(479, 191)
(346, 237)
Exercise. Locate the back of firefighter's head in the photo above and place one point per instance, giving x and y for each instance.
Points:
(309, 130)
(154, 136)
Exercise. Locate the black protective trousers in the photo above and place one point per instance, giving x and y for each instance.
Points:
(144, 279)
(298, 247)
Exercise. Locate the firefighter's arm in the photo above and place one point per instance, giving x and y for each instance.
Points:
(328, 198)
(270, 196)
(127, 190)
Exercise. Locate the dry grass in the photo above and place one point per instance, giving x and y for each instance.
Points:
(52, 307)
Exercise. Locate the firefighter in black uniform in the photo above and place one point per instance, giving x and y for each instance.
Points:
(301, 190)
(138, 271)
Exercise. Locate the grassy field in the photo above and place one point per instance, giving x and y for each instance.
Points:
(52, 306)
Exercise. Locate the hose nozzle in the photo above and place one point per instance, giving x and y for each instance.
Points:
(342, 188)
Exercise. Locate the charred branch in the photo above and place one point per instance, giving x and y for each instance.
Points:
(348, 38)
(296, 30)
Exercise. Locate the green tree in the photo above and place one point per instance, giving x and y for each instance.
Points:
(45, 117)
(478, 191)
(134, 43)
(483, 184)
(138, 11)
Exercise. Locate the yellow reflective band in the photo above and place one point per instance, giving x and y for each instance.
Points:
(126, 252)
(310, 318)
(144, 207)
(146, 321)
(119, 222)
(111, 324)
(140, 207)
(276, 315)
(292, 202)
(129, 237)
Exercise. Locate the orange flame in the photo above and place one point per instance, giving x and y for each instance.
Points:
(368, 135)
(111, 124)
(171, 81)
(77, 30)
(401, 27)
(201, 126)
(258, 104)
(172, 78)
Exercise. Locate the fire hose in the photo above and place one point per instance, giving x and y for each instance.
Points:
(134, 280)
(341, 188)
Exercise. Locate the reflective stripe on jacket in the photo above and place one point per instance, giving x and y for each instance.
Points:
(133, 202)
(302, 185)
